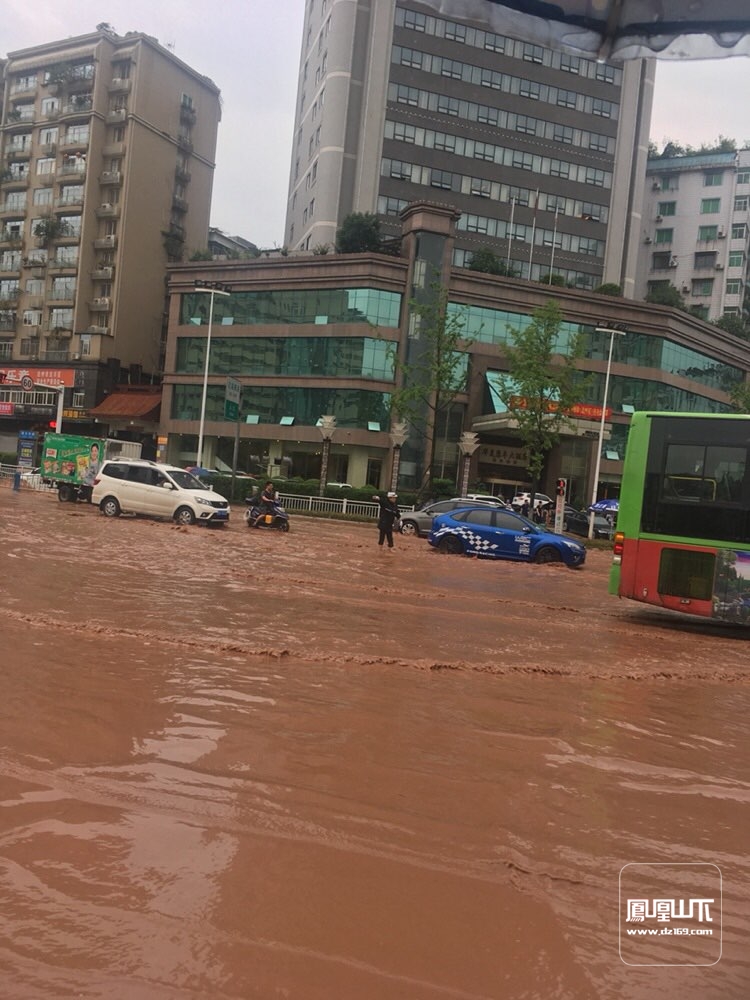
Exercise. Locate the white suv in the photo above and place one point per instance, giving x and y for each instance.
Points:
(540, 499)
(135, 486)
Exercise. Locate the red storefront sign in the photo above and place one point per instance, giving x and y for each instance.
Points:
(583, 411)
(41, 376)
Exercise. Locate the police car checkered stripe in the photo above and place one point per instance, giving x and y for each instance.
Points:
(474, 542)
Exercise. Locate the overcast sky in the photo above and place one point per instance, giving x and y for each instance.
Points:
(250, 49)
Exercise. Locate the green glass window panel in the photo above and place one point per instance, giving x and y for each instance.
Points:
(664, 235)
(342, 357)
(315, 306)
(351, 407)
(707, 233)
(710, 206)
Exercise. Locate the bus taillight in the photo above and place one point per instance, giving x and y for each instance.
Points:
(617, 546)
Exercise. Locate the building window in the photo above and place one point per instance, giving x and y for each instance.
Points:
(414, 21)
(713, 178)
(445, 142)
(411, 57)
(407, 95)
(441, 179)
(702, 287)
(601, 108)
(660, 261)
(484, 151)
(570, 64)
(563, 133)
(451, 68)
(481, 188)
(734, 286)
(743, 177)
(736, 258)
(704, 259)
(664, 235)
(455, 32)
(46, 165)
(740, 203)
(404, 133)
(667, 208)
(710, 206)
(494, 43)
(706, 233)
(447, 105)
(566, 99)
(532, 53)
(530, 89)
(739, 231)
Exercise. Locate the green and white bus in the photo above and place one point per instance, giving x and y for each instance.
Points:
(682, 539)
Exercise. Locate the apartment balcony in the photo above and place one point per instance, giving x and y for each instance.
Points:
(105, 243)
(77, 170)
(15, 182)
(61, 266)
(69, 204)
(182, 174)
(102, 330)
(48, 149)
(45, 180)
(18, 123)
(33, 302)
(101, 304)
(117, 116)
(179, 204)
(23, 89)
(51, 115)
(10, 267)
(72, 145)
(81, 105)
(15, 153)
(10, 239)
(12, 209)
(60, 357)
(37, 261)
(107, 211)
(9, 300)
(185, 143)
(61, 300)
(114, 149)
(8, 324)
(59, 332)
(102, 274)
(119, 86)
(110, 177)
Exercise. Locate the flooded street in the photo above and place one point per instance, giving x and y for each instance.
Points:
(244, 764)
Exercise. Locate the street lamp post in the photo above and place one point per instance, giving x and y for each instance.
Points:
(467, 445)
(398, 438)
(327, 428)
(212, 288)
(594, 489)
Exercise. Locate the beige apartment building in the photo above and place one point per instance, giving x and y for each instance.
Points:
(107, 149)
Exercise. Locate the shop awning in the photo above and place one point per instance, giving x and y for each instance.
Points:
(617, 29)
(129, 406)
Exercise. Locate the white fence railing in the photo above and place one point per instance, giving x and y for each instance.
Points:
(27, 480)
(329, 505)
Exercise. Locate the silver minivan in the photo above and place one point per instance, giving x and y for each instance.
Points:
(136, 486)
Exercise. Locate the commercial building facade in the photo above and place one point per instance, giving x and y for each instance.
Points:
(315, 336)
(107, 148)
(543, 153)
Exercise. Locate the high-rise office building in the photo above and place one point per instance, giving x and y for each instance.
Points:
(543, 153)
(107, 146)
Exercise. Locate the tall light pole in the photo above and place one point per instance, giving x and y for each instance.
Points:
(398, 436)
(594, 489)
(327, 428)
(211, 288)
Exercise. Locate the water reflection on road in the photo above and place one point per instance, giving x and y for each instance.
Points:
(180, 819)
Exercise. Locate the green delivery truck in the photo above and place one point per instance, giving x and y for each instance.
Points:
(70, 462)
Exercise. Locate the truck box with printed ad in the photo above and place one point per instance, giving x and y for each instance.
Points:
(70, 462)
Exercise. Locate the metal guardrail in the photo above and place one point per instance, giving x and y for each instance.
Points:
(329, 505)
(27, 481)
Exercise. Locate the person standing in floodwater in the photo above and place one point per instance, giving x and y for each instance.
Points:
(389, 517)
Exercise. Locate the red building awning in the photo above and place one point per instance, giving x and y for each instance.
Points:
(129, 406)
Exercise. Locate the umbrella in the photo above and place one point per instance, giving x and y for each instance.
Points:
(617, 29)
(606, 506)
(198, 470)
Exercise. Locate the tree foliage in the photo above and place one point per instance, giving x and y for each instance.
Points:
(487, 261)
(50, 229)
(740, 397)
(358, 233)
(608, 288)
(722, 145)
(541, 385)
(666, 295)
(735, 325)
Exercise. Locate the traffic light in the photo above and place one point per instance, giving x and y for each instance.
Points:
(52, 425)
(562, 486)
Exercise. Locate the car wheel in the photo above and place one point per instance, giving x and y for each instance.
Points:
(409, 528)
(547, 555)
(110, 507)
(184, 515)
(65, 493)
(451, 545)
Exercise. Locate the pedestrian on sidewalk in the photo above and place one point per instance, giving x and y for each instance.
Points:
(389, 517)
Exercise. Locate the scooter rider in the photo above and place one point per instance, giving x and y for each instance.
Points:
(266, 501)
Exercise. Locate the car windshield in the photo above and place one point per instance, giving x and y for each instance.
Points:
(186, 480)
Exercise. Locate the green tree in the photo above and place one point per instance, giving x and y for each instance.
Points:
(201, 255)
(608, 288)
(735, 325)
(541, 385)
(435, 373)
(487, 261)
(666, 295)
(358, 233)
(740, 397)
(49, 229)
(556, 280)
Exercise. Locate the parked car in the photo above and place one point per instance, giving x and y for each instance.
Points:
(577, 523)
(486, 498)
(135, 486)
(419, 522)
(340, 486)
(540, 500)
(502, 534)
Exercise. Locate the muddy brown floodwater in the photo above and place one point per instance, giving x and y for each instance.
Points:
(238, 764)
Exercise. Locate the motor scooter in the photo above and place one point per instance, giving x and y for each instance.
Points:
(256, 517)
